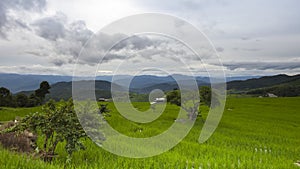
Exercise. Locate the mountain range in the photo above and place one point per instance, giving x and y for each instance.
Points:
(61, 86)
(19, 82)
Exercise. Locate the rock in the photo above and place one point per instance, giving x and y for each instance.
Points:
(7, 125)
(20, 141)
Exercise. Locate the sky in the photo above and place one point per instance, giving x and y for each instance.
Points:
(251, 37)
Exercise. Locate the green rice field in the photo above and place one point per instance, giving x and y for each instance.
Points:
(253, 133)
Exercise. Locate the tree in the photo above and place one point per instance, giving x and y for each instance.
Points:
(189, 102)
(205, 95)
(56, 124)
(174, 97)
(104, 110)
(21, 100)
(43, 90)
(33, 100)
(5, 97)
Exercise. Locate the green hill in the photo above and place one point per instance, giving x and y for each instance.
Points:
(289, 89)
(280, 85)
(63, 90)
(265, 81)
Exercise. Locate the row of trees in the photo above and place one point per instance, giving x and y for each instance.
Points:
(191, 105)
(7, 99)
(174, 97)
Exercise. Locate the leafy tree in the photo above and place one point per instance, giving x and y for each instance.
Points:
(43, 90)
(104, 110)
(189, 102)
(174, 97)
(57, 123)
(21, 100)
(5, 97)
(205, 95)
(4, 92)
(33, 100)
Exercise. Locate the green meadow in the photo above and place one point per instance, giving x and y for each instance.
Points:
(253, 133)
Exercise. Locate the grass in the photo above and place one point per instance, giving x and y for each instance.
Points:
(253, 133)
(7, 113)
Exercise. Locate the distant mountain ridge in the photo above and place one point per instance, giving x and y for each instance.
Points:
(265, 81)
(19, 82)
(279, 85)
(282, 85)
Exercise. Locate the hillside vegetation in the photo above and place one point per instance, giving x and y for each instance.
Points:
(253, 133)
(280, 85)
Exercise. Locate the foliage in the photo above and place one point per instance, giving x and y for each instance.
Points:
(9, 113)
(134, 97)
(253, 133)
(190, 103)
(104, 110)
(56, 123)
(33, 100)
(205, 95)
(5, 97)
(63, 90)
(21, 99)
(266, 81)
(174, 97)
(43, 90)
(280, 90)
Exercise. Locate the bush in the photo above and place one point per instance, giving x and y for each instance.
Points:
(57, 123)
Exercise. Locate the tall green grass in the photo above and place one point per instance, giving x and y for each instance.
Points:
(8, 113)
(253, 133)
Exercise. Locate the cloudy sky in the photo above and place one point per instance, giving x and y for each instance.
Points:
(252, 37)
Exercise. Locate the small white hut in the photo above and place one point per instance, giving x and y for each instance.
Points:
(271, 95)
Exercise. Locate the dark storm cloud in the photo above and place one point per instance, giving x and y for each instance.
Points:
(110, 57)
(135, 42)
(3, 18)
(51, 28)
(35, 53)
(58, 62)
(76, 35)
(7, 22)
(21, 24)
(220, 49)
(137, 46)
(263, 65)
(248, 49)
(79, 31)
(36, 5)
(245, 38)
(67, 38)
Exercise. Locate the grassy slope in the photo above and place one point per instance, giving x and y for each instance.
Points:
(253, 133)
